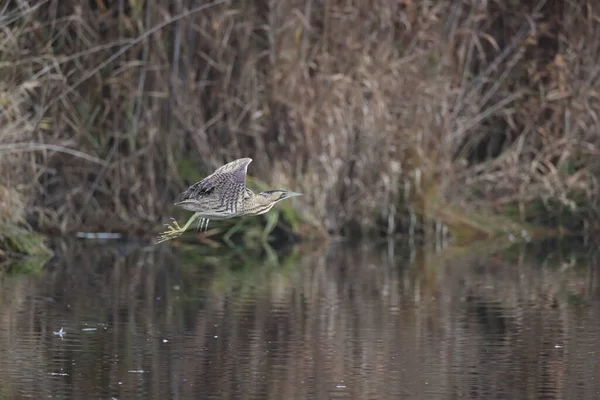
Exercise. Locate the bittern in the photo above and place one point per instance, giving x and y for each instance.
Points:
(221, 195)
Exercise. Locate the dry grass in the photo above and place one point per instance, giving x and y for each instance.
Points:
(379, 112)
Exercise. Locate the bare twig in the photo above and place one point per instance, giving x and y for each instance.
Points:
(30, 147)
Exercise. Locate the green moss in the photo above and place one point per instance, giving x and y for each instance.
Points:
(473, 225)
(22, 251)
(566, 215)
(574, 299)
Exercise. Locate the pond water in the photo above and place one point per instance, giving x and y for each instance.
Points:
(344, 322)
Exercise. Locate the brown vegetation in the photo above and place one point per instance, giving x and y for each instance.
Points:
(381, 112)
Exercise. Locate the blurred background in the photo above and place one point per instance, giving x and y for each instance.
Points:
(443, 248)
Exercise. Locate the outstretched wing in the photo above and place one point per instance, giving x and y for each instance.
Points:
(228, 181)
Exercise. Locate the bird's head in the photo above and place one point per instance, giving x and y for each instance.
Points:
(274, 196)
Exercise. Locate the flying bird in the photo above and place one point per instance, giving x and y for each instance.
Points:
(221, 195)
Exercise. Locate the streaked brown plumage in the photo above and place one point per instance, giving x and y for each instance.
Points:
(223, 194)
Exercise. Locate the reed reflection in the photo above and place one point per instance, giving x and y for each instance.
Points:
(350, 322)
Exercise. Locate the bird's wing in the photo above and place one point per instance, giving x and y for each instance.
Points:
(234, 171)
(203, 188)
(229, 181)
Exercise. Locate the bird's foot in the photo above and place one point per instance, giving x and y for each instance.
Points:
(173, 230)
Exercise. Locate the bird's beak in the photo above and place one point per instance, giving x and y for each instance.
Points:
(294, 194)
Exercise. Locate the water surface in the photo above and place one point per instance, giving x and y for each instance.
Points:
(345, 322)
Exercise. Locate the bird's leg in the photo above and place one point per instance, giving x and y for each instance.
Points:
(175, 230)
(175, 226)
(202, 224)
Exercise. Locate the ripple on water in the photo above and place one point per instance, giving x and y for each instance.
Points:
(347, 324)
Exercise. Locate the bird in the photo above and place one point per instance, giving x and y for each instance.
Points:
(221, 195)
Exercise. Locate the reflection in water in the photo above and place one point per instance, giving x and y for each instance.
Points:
(352, 323)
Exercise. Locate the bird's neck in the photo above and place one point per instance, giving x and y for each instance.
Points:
(257, 204)
(257, 198)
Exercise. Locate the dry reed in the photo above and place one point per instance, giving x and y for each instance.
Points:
(381, 112)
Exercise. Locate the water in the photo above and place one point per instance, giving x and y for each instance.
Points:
(346, 322)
